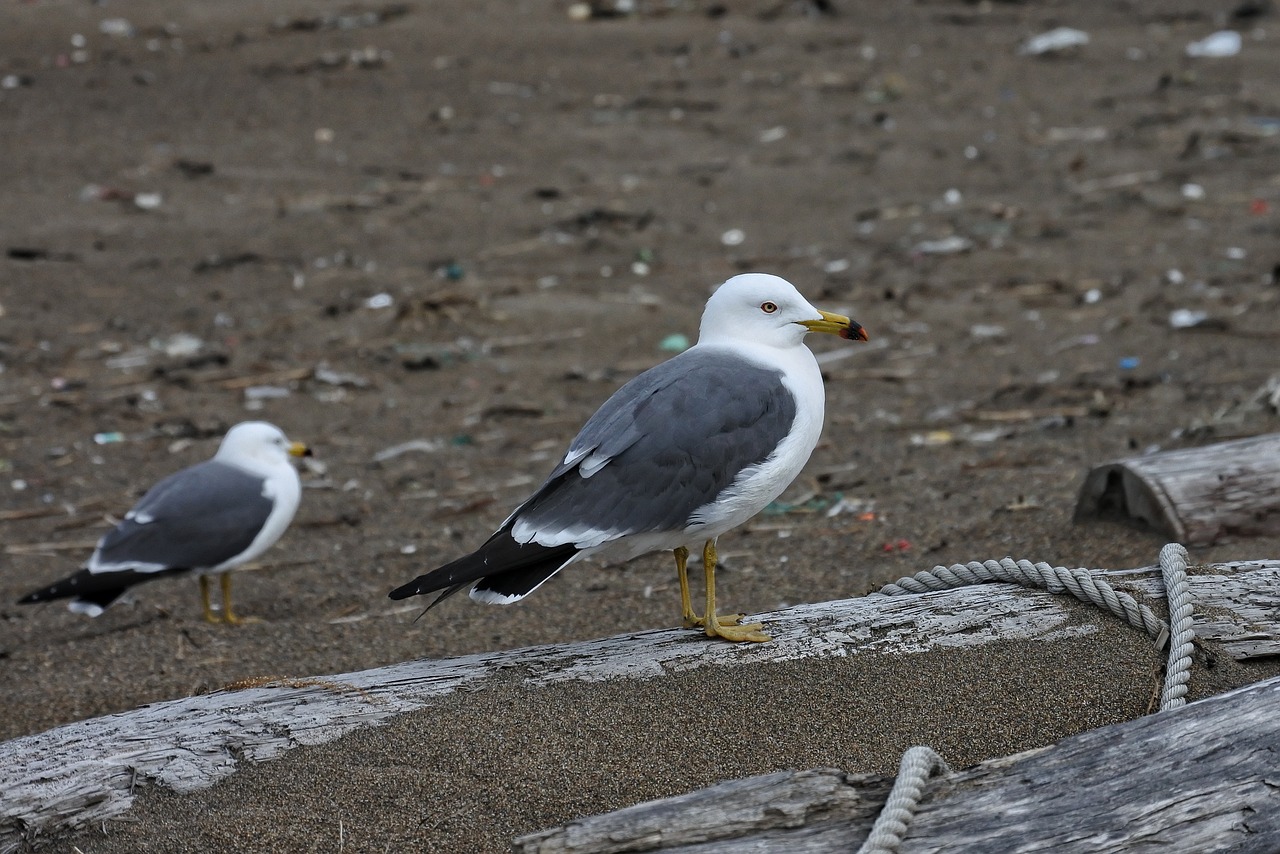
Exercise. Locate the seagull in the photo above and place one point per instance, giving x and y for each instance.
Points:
(679, 455)
(206, 519)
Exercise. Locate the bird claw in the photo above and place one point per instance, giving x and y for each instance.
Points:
(739, 633)
(693, 621)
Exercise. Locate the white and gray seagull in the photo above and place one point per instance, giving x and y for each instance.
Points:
(679, 455)
(206, 519)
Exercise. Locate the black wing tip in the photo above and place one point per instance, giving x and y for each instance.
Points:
(404, 591)
(99, 589)
(486, 566)
(418, 588)
(452, 576)
(62, 589)
(100, 597)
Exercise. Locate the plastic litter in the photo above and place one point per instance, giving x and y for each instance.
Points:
(266, 392)
(674, 343)
(1054, 41)
(946, 246)
(932, 439)
(178, 345)
(118, 27)
(138, 357)
(1220, 44)
(426, 446)
(1186, 318)
(864, 508)
(323, 373)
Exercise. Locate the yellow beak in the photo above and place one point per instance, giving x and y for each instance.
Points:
(297, 449)
(836, 324)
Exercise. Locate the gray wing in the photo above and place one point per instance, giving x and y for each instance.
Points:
(675, 437)
(197, 518)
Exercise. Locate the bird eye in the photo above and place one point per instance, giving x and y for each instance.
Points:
(768, 307)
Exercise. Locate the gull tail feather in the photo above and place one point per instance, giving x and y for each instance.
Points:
(506, 571)
(92, 592)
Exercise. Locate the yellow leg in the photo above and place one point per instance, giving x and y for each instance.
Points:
(690, 617)
(730, 630)
(227, 614)
(209, 616)
(686, 603)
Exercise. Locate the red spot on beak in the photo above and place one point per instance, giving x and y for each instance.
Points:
(855, 332)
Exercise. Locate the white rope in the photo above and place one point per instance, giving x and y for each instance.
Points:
(1056, 579)
(1173, 568)
(918, 764)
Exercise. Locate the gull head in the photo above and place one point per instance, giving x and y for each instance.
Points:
(768, 310)
(260, 442)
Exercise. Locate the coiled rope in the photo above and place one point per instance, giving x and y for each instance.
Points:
(920, 763)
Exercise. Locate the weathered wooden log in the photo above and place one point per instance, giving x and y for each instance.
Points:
(823, 809)
(1203, 775)
(1196, 496)
(1238, 609)
(86, 772)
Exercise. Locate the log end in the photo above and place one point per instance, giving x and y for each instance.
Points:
(1118, 493)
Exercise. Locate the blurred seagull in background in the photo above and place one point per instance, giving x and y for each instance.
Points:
(206, 519)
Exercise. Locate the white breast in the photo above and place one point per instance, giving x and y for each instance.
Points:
(755, 487)
(283, 486)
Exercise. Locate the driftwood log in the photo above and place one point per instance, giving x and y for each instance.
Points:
(88, 771)
(1231, 609)
(1195, 496)
(1201, 778)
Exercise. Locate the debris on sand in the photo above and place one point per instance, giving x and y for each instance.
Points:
(1220, 44)
(1055, 41)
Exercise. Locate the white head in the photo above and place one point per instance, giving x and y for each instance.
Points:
(258, 442)
(767, 310)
